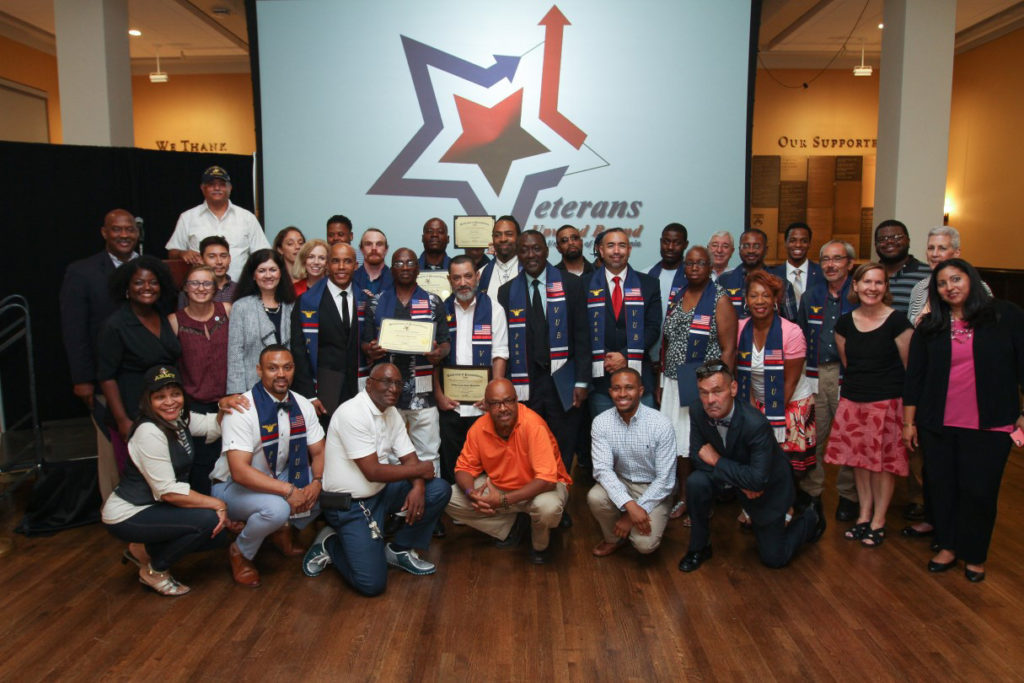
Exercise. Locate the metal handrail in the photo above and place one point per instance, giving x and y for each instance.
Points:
(20, 328)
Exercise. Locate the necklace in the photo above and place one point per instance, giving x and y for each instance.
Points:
(274, 310)
(961, 334)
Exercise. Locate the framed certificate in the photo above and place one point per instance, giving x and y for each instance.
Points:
(406, 336)
(435, 282)
(473, 231)
(465, 383)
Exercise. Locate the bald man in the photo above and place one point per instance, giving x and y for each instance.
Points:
(85, 303)
(510, 466)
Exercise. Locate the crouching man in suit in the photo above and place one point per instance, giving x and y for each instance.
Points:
(731, 442)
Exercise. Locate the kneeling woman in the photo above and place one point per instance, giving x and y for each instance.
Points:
(153, 508)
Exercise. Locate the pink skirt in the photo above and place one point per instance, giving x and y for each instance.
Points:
(869, 436)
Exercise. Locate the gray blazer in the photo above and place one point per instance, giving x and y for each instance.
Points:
(249, 332)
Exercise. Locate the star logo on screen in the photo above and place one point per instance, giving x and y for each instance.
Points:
(494, 136)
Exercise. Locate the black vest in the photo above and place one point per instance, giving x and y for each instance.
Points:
(134, 488)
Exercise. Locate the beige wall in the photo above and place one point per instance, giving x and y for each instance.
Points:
(984, 180)
(36, 69)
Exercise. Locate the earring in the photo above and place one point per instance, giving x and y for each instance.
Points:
(126, 294)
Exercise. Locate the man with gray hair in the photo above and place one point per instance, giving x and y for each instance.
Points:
(820, 307)
(943, 244)
(720, 247)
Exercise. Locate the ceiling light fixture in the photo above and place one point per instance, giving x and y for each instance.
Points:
(134, 32)
(881, 26)
(863, 69)
(158, 76)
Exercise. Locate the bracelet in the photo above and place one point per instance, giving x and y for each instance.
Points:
(319, 479)
(469, 492)
(504, 501)
(291, 490)
(220, 509)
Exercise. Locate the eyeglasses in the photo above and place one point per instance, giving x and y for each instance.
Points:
(389, 383)
(695, 264)
(199, 284)
(705, 371)
(405, 264)
(882, 239)
(833, 259)
(505, 402)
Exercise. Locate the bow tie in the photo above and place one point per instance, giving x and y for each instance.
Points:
(286, 406)
(720, 423)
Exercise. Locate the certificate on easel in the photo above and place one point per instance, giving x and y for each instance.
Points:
(465, 383)
(473, 232)
(406, 336)
(435, 282)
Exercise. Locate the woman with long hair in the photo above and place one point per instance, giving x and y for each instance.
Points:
(288, 243)
(310, 265)
(961, 404)
(261, 315)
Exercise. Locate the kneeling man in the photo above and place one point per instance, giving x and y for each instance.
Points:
(366, 434)
(271, 465)
(510, 464)
(634, 457)
(731, 442)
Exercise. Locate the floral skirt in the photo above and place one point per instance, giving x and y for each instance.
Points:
(869, 436)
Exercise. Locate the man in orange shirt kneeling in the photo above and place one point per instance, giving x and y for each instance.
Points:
(510, 466)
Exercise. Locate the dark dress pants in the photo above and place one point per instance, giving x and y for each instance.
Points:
(454, 428)
(170, 532)
(564, 424)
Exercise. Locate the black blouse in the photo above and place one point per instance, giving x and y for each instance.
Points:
(874, 370)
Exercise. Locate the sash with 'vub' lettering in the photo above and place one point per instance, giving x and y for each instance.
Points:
(633, 301)
(298, 456)
(558, 328)
(482, 333)
(774, 376)
(309, 311)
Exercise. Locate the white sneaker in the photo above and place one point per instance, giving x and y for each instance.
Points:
(317, 558)
(408, 560)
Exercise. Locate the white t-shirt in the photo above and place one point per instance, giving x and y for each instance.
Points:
(241, 432)
(359, 429)
(238, 226)
(502, 273)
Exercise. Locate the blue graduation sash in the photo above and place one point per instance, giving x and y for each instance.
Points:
(309, 312)
(298, 456)
(633, 301)
(481, 333)
(419, 309)
(558, 328)
(774, 376)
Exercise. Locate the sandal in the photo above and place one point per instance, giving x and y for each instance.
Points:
(873, 538)
(127, 557)
(857, 532)
(162, 582)
(678, 510)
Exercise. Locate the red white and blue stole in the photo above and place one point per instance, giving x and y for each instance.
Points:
(309, 312)
(298, 456)
(774, 375)
(481, 353)
(699, 335)
(633, 302)
(813, 302)
(419, 309)
(558, 328)
(675, 290)
(734, 282)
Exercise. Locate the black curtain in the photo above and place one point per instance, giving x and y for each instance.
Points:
(54, 198)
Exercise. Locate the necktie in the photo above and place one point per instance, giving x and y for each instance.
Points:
(346, 319)
(538, 307)
(798, 284)
(617, 296)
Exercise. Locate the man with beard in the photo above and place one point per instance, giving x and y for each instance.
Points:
(479, 337)
(892, 242)
(569, 244)
(373, 276)
(435, 241)
(673, 243)
(720, 248)
(505, 265)
(753, 244)
(821, 306)
(798, 272)
(326, 322)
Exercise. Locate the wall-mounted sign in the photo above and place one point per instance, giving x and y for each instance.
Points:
(186, 145)
(819, 142)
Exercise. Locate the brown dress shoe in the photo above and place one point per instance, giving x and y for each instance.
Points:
(283, 541)
(604, 548)
(242, 569)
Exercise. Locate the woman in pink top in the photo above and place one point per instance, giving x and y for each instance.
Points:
(961, 403)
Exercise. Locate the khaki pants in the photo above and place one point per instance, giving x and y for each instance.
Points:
(545, 512)
(106, 465)
(826, 401)
(607, 514)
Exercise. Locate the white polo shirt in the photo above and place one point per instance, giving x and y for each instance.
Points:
(238, 226)
(241, 432)
(359, 429)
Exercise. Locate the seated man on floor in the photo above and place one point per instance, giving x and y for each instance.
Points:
(271, 465)
(731, 442)
(634, 457)
(364, 432)
(510, 465)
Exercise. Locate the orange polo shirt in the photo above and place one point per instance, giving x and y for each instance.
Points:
(531, 452)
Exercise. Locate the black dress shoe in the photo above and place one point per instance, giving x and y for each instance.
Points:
(939, 567)
(973, 576)
(913, 512)
(540, 556)
(911, 532)
(515, 534)
(439, 529)
(819, 525)
(565, 522)
(847, 510)
(694, 559)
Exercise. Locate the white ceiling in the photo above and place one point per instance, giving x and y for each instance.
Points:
(210, 35)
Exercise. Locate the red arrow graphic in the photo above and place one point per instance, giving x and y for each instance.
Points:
(555, 22)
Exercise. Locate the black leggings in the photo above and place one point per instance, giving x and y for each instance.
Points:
(171, 532)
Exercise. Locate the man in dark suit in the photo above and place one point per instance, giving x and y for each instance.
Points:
(798, 273)
(731, 442)
(623, 319)
(85, 303)
(553, 310)
(325, 335)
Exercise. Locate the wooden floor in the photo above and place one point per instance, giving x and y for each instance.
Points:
(70, 611)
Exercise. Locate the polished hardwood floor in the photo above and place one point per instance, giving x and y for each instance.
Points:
(71, 611)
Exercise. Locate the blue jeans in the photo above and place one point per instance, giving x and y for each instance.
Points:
(359, 557)
(263, 514)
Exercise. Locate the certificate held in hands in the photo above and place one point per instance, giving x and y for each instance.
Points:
(406, 336)
(465, 383)
(473, 232)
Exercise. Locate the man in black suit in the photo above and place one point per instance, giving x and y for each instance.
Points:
(325, 335)
(85, 303)
(624, 316)
(553, 310)
(731, 442)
